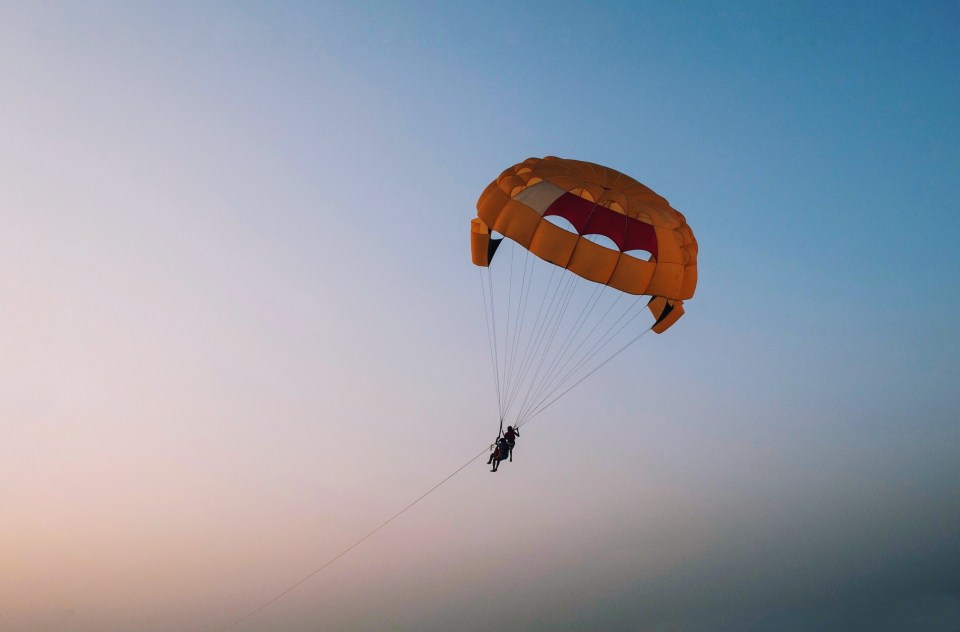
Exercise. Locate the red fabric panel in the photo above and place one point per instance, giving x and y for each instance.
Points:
(573, 208)
(590, 219)
(608, 223)
(640, 236)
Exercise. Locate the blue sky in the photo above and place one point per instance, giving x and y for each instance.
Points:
(240, 327)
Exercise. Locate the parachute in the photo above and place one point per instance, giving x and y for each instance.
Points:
(590, 251)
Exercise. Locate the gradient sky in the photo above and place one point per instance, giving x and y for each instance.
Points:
(239, 327)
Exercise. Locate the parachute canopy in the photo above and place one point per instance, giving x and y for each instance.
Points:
(595, 222)
(582, 253)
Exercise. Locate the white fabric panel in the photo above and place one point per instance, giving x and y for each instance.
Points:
(540, 196)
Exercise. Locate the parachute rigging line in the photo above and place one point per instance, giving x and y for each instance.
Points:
(491, 334)
(352, 546)
(595, 369)
(534, 339)
(540, 354)
(597, 347)
(548, 333)
(521, 317)
(550, 321)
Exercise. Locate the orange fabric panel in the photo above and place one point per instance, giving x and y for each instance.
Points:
(689, 282)
(667, 280)
(517, 221)
(511, 183)
(486, 192)
(689, 244)
(669, 246)
(479, 243)
(564, 182)
(632, 275)
(489, 206)
(593, 262)
(657, 307)
(552, 243)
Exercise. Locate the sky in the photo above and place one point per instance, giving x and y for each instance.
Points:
(240, 328)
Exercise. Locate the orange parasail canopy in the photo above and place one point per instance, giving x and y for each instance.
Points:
(656, 252)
